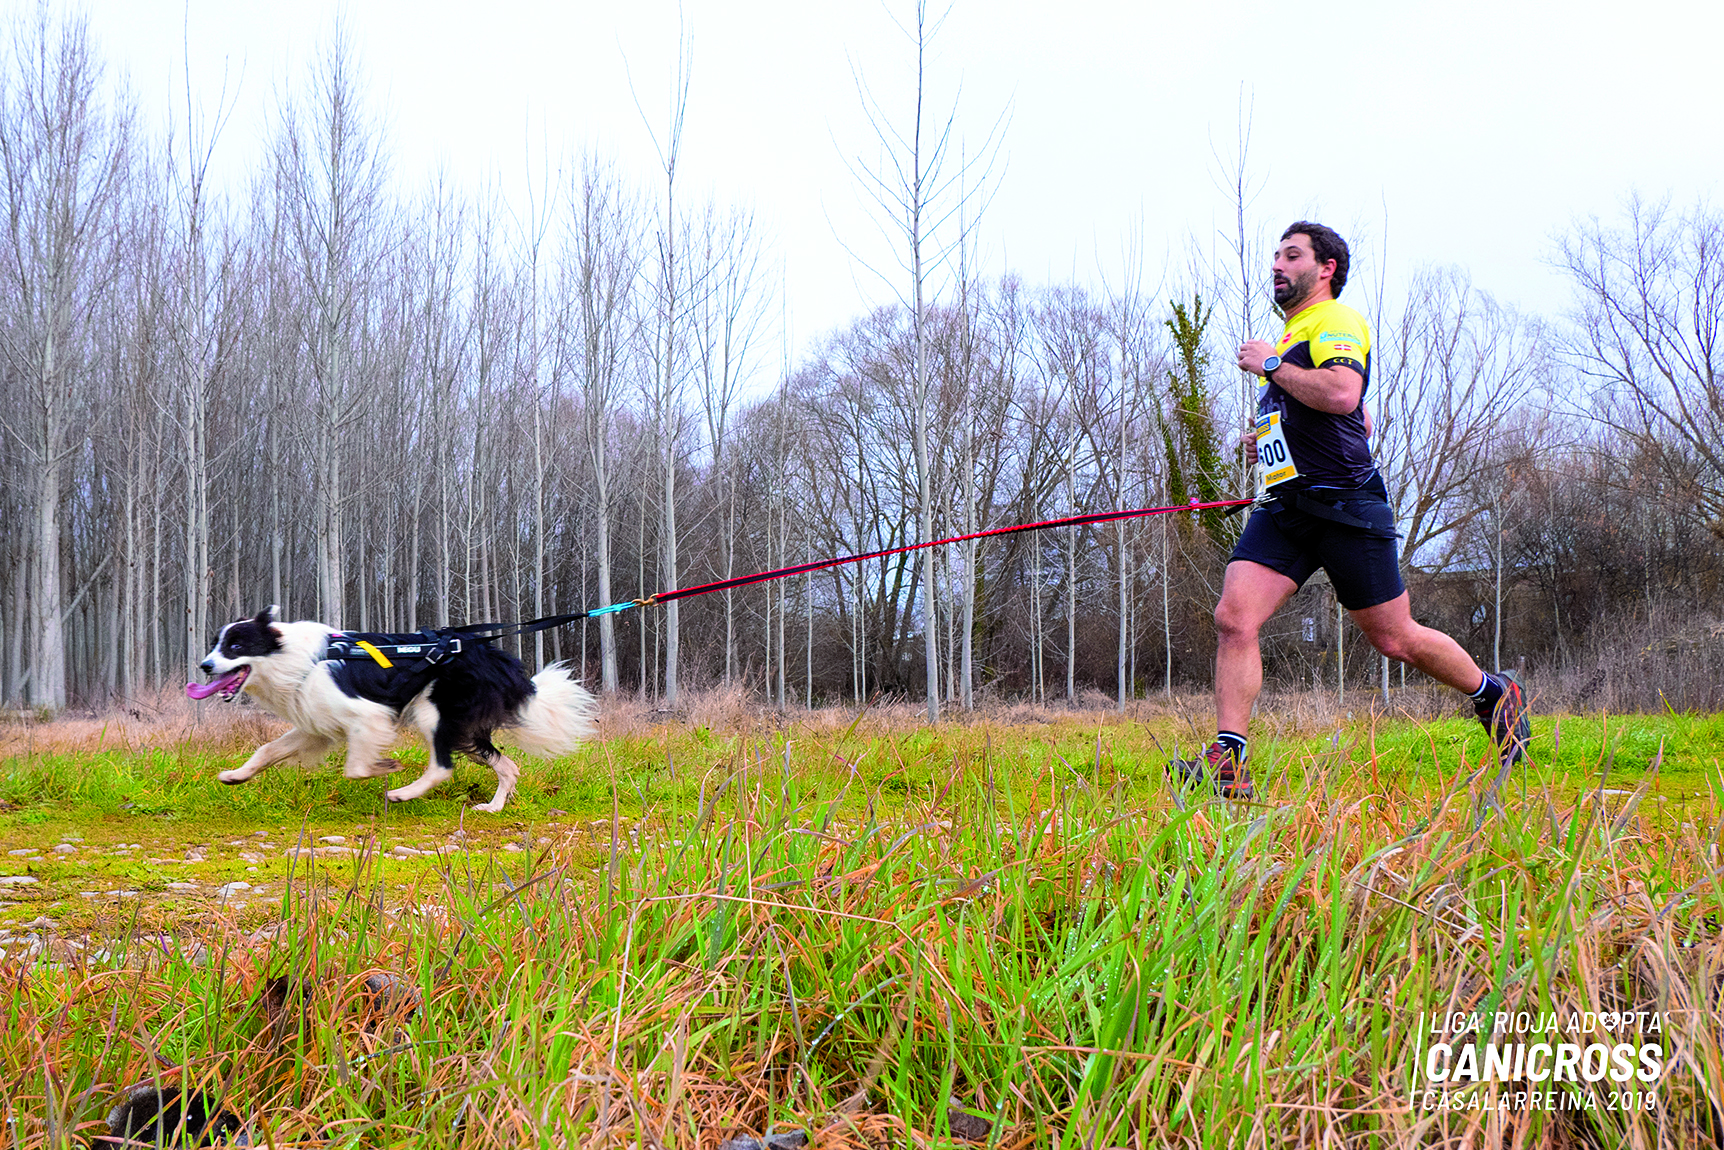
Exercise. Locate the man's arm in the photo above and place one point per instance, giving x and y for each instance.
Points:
(1248, 438)
(1335, 389)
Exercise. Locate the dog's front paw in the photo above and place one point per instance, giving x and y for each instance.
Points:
(399, 795)
(491, 807)
(234, 777)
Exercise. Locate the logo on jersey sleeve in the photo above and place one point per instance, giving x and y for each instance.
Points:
(1338, 343)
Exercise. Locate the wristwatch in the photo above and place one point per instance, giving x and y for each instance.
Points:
(1269, 366)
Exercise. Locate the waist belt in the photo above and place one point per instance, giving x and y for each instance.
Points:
(1322, 509)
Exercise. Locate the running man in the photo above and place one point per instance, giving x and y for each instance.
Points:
(1329, 509)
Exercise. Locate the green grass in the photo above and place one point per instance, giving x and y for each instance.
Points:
(845, 932)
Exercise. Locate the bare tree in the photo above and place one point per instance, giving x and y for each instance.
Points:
(725, 323)
(1450, 374)
(540, 327)
(202, 332)
(489, 327)
(604, 263)
(1245, 278)
(331, 174)
(64, 161)
(1135, 367)
(1650, 317)
(441, 256)
(668, 316)
(919, 192)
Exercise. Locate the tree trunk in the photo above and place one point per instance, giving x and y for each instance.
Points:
(48, 654)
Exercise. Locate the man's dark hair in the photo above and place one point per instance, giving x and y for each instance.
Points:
(1326, 245)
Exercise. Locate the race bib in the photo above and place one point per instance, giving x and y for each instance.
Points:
(1272, 453)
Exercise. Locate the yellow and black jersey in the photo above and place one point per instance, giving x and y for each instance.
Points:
(1329, 450)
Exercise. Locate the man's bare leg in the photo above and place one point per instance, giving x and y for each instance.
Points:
(1497, 700)
(1250, 594)
(1391, 629)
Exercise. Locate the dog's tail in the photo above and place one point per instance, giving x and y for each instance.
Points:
(557, 718)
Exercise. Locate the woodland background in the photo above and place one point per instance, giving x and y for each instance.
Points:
(395, 410)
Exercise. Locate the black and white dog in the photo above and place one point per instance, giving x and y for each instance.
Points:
(456, 703)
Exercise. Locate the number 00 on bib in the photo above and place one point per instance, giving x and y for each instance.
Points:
(1272, 453)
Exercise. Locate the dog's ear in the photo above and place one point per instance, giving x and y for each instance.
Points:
(266, 617)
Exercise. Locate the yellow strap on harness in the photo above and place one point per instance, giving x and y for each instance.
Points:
(382, 659)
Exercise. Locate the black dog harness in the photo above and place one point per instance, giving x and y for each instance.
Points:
(431, 646)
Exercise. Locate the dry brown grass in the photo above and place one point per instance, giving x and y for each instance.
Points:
(516, 1040)
(1082, 962)
(1051, 940)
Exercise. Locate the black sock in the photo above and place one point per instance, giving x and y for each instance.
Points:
(1233, 742)
(1488, 695)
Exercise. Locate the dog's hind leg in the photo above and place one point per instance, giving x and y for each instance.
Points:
(296, 744)
(508, 774)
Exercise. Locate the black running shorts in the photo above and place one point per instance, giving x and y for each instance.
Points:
(1364, 566)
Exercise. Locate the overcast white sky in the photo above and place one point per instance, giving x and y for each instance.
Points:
(1479, 131)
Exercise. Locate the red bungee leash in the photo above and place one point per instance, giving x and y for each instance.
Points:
(499, 630)
(821, 564)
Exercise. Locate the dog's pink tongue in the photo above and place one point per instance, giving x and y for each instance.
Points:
(205, 690)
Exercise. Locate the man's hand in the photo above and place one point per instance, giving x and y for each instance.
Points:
(1252, 353)
(1335, 389)
(1249, 441)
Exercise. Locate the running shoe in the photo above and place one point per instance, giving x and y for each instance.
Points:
(1218, 768)
(1507, 720)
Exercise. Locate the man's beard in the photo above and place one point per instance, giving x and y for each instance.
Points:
(1293, 291)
